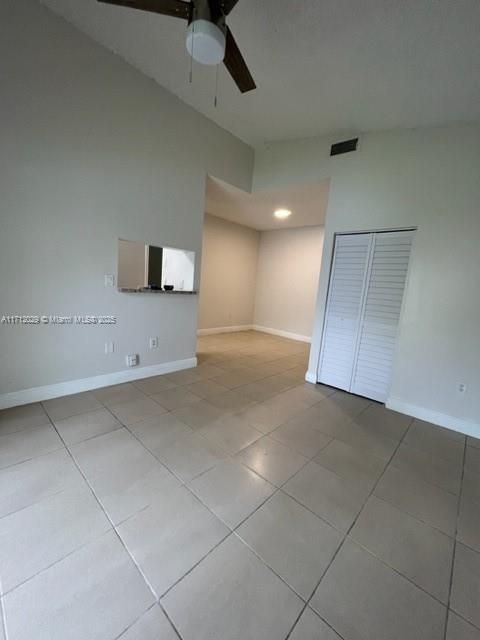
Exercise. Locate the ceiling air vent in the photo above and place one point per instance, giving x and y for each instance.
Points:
(344, 147)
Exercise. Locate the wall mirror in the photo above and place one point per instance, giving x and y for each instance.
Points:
(143, 267)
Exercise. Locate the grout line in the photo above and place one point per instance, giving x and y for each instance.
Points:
(345, 538)
(108, 518)
(452, 569)
(3, 612)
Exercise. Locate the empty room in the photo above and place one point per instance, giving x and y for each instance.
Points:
(239, 320)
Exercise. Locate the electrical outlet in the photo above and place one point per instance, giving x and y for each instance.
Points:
(462, 388)
(154, 343)
(109, 347)
(109, 280)
(132, 360)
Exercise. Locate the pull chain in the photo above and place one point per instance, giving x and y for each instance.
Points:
(193, 46)
(215, 103)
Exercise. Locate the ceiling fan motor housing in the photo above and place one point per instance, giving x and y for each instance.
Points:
(206, 35)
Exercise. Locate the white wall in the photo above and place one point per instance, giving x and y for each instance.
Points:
(287, 279)
(428, 178)
(92, 151)
(229, 265)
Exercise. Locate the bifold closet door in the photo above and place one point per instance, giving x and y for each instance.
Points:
(390, 254)
(365, 296)
(344, 307)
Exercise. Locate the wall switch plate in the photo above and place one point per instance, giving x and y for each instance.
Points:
(154, 343)
(109, 280)
(109, 347)
(132, 360)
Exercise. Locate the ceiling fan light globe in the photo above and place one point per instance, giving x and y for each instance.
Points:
(206, 42)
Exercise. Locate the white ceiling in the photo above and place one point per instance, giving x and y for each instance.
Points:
(308, 204)
(321, 66)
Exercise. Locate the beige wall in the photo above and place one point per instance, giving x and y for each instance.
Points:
(287, 279)
(132, 264)
(426, 178)
(229, 264)
(92, 151)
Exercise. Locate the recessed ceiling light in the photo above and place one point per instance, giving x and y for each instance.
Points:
(281, 214)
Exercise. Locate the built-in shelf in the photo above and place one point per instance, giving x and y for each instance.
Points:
(175, 292)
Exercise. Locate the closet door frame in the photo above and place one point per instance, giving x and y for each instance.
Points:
(372, 233)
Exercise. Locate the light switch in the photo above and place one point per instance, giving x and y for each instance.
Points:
(109, 280)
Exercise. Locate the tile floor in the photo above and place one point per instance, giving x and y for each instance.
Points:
(235, 501)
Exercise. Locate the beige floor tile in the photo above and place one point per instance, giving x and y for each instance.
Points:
(152, 625)
(301, 438)
(190, 456)
(135, 410)
(272, 460)
(472, 460)
(428, 467)
(230, 401)
(459, 629)
(67, 406)
(235, 596)
(40, 535)
(118, 394)
(200, 414)
(362, 599)
(28, 443)
(23, 417)
(263, 417)
(466, 584)
(25, 484)
(150, 386)
(175, 398)
(420, 553)
(231, 491)
(66, 601)
(471, 487)
(86, 425)
(299, 550)
(326, 494)
(421, 500)
(159, 432)
(125, 477)
(473, 442)
(361, 438)
(230, 433)
(469, 524)
(350, 463)
(441, 442)
(170, 536)
(384, 422)
(206, 388)
(311, 627)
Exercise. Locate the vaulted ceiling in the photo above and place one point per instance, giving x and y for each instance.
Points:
(321, 66)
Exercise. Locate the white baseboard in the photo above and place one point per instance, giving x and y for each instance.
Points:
(283, 334)
(209, 332)
(311, 377)
(466, 427)
(47, 392)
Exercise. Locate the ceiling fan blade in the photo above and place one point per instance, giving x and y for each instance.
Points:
(174, 8)
(237, 66)
(227, 5)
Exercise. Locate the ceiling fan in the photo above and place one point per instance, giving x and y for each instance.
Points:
(209, 40)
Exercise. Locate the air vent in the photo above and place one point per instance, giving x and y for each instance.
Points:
(344, 147)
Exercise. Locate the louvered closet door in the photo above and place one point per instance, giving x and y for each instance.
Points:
(344, 306)
(390, 254)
